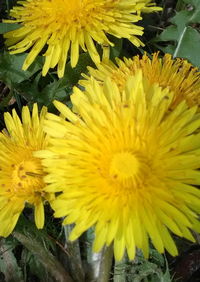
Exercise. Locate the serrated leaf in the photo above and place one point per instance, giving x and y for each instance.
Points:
(185, 37)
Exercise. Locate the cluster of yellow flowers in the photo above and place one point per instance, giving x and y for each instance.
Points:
(126, 158)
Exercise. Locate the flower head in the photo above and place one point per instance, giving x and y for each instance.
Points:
(177, 74)
(63, 25)
(121, 167)
(21, 174)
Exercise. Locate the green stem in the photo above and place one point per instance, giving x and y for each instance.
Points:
(51, 264)
(105, 264)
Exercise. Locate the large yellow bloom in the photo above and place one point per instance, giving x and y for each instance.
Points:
(71, 24)
(126, 165)
(21, 174)
(177, 74)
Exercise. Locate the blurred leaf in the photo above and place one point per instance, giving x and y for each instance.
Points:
(8, 263)
(180, 5)
(5, 27)
(182, 32)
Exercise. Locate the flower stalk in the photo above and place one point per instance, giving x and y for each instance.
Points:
(105, 264)
(74, 257)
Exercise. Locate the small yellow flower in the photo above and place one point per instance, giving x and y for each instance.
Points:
(177, 74)
(68, 25)
(21, 174)
(126, 165)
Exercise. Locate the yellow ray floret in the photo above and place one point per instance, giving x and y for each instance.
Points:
(126, 165)
(21, 174)
(68, 25)
(177, 74)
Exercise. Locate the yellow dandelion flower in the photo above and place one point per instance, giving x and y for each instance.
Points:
(177, 74)
(21, 174)
(63, 25)
(125, 166)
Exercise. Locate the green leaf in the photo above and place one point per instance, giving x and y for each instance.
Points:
(53, 91)
(183, 38)
(11, 68)
(116, 50)
(72, 75)
(32, 91)
(5, 27)
(44, 90)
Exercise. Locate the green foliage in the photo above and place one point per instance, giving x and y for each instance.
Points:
(32, 86)
(38, 258)
(11, 72)
(141, 270)
(182, 36)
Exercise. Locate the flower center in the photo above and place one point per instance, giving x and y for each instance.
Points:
(124, 166)
(67, 11)
(73, 5)
(27, 176)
